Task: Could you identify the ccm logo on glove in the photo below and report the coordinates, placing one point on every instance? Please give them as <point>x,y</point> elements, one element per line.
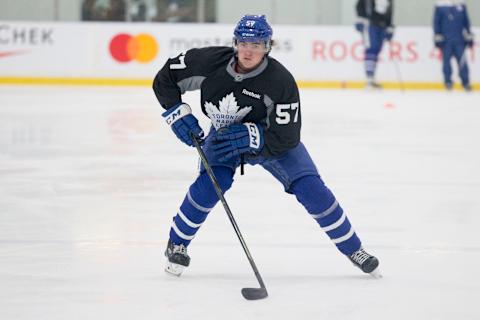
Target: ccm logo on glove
<point>236,139</point>
<point>183,123</point>
<point>176,113</point>
<point>254,135</point>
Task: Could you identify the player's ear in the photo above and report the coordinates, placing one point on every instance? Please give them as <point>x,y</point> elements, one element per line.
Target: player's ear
<point>268,46</point>
<point>234,44</point>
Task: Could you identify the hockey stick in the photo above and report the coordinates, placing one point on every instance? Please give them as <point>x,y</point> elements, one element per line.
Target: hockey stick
<point>248,293</point>
<point>397,70</point>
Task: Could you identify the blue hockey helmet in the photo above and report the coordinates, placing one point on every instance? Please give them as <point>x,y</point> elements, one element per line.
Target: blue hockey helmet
<point>253,28</point>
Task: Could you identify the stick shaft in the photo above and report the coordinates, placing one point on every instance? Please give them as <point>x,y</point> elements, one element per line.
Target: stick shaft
<point>219,192</point>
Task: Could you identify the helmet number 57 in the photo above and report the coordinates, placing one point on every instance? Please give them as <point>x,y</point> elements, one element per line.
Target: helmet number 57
<point>283,113</point>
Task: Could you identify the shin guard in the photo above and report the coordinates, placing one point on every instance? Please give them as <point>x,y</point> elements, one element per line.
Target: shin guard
<point>321,204</point>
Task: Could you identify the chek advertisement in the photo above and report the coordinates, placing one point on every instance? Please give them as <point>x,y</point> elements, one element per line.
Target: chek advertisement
<point>132,53</point>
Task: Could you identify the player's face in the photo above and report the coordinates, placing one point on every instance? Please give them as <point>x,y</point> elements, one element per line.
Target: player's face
<point>250,54</point>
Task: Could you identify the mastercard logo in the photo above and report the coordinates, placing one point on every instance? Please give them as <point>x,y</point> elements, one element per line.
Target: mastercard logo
<point>141,48</point>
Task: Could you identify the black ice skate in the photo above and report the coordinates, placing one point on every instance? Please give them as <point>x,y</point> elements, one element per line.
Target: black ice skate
<point>373,85</point>
<point>177,258</point>
<point>366,262</point>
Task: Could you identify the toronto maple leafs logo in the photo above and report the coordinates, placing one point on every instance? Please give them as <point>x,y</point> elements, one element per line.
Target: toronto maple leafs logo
<point>227,111</point>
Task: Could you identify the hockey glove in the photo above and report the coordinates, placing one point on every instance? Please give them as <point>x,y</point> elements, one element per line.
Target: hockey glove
<point>439,40</point>
<point>389,33</point>
<point>359,26</point>
<point>236,139</point>
<point>468,36</point>
<point>183,122</point>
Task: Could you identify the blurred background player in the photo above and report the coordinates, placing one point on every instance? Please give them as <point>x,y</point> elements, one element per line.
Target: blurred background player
<point>374,22</point>
<point>451,26</point>
<point>113,10</point>
<point>254,107</point>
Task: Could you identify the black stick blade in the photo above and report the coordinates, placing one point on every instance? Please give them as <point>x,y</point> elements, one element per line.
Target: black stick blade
<point>254,293</point>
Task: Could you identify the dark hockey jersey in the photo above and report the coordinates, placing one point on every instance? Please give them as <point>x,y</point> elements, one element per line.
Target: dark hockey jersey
<point>377,12</point>
<point>267,95</point>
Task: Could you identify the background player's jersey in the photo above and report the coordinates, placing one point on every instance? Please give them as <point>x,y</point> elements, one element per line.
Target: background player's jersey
<point>451,20</point>
<point>377,12</point>
<point>268,95</point>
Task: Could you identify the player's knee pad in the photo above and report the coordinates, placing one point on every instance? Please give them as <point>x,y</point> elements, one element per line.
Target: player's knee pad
<point>313,194</point>
<point>202,190</point>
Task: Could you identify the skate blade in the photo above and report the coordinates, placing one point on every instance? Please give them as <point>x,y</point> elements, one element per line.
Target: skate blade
<point>174,269</point>
<point>376,274</point>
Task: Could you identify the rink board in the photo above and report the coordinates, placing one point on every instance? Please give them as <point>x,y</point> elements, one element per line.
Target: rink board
<point>132,53</point>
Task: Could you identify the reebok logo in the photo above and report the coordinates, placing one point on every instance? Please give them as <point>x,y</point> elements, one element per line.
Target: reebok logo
<point>251,94</point>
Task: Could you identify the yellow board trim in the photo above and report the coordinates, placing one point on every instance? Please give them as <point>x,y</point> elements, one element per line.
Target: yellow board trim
<point>76,81</point>
<point>148,82</point>
<point>385,85</point>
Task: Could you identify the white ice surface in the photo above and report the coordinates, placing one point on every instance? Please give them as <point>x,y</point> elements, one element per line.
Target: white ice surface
<point>91,177</point>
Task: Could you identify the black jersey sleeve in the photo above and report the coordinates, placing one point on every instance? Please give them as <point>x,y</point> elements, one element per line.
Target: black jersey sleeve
<point>379,14</point>
<point>389,15</point>
<point>186,72</point>
<point>361,9</point>
<point>283,122</point>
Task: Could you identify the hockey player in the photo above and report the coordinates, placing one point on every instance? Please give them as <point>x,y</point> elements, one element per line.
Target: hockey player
<point>374,22</point>
<point>451,26</point>
<point>254,107</point>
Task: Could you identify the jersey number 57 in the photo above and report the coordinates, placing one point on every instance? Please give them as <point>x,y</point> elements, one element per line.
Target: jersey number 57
<point>181,64</point>
<point>283,112</point>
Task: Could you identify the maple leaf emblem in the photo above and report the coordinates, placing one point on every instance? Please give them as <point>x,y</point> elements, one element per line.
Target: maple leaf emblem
<point>227,111</point>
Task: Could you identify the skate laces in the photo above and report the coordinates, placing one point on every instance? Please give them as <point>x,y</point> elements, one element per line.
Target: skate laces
<point>180,249</point>
<point>360,256</point>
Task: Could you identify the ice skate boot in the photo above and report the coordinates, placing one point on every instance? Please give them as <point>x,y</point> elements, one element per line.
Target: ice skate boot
<point>366,262</point>
<point>177,258</point>
<point>373,85</point>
